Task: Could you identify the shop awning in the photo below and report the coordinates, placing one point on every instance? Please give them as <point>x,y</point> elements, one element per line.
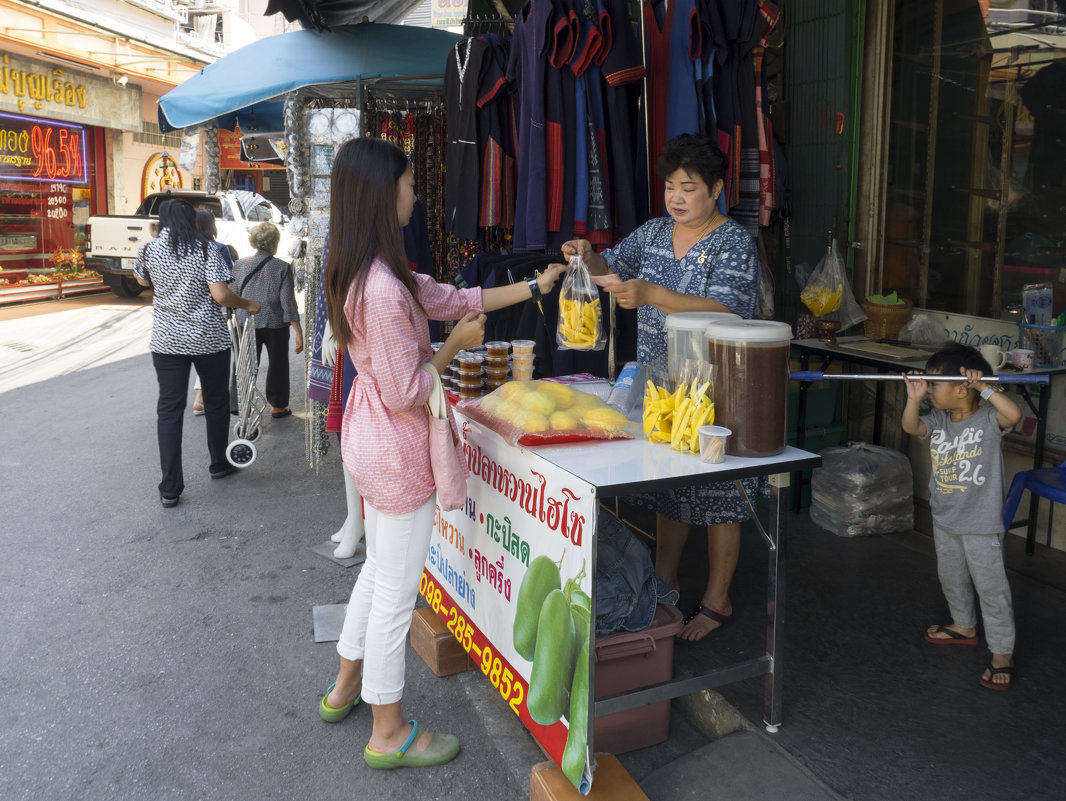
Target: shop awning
<point>247,87</point>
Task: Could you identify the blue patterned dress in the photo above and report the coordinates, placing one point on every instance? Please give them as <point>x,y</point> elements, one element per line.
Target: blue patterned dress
<point>723,266</point>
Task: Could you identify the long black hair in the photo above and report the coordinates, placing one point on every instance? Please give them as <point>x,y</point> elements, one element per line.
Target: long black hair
<point>363,224</point>
<point>179,218</point>
<point>205,224</point>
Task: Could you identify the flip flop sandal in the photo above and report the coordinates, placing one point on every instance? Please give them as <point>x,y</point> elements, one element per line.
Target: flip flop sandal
<point>953,637</point>
<point>281,414</point>
<point>199,411</point>
<point>993,671</point>
<point>336,714</point>
<point>706,611</point>
<point>442,748</point>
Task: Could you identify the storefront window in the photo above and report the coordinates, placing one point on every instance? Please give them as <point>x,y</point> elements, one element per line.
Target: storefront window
<point>976,180</point>
<point>46,180</point>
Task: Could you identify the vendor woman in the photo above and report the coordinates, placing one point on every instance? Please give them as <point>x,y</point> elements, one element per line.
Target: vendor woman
<point>696,259</point>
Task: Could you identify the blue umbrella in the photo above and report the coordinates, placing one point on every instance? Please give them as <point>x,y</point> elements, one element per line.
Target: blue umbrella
<point>247,86</point>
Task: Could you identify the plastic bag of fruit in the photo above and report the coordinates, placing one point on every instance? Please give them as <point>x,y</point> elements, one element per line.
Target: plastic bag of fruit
<point>580,314</point>
<point>546,412</point>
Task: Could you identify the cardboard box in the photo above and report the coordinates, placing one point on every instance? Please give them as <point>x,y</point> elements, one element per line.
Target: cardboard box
<point>630,660</point>
<point>610,782</point>
<point>435,644</point>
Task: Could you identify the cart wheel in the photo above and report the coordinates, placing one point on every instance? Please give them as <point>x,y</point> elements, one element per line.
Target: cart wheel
<point>240,453</point>
<point>253,437</point>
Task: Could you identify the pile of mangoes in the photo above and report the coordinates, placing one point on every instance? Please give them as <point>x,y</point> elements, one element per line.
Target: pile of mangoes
<point>541,406</point>
<point>552,625</point>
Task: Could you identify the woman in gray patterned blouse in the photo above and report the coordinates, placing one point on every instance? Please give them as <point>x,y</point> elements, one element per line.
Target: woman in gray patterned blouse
<point>189,283</point>
<point>269,280</point>
<point>696,259</point>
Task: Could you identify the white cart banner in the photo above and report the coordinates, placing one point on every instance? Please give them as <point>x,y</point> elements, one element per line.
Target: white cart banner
<point>511,576</point>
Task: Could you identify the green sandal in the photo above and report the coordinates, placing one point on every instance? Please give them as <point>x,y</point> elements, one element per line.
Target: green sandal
<point>336,714</point>
<point>442,748</point>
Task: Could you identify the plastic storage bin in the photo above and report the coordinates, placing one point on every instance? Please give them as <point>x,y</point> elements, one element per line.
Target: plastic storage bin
<point>630,660</point>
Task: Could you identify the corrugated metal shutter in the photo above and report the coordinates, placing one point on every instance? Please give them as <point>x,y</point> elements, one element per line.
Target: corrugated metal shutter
<point>422,16</point>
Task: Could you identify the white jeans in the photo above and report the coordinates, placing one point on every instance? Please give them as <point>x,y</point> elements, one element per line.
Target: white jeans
<point>379,612</point>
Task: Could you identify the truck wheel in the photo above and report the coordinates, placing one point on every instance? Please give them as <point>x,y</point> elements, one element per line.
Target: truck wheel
<point>123,285</point>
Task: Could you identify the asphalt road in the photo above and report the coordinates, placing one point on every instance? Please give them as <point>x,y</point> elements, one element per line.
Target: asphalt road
<point>152,653</point>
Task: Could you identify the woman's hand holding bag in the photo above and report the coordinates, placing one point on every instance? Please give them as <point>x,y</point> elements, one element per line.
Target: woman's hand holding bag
<point>449,474</point>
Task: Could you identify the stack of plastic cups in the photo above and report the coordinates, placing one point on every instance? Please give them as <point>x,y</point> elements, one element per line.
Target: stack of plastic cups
<point>496,365</point>
<point>471,381</point>
<point>522,359</point>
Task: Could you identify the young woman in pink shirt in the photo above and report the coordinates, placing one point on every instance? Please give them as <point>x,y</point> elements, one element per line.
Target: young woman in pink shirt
<point>378,308</point>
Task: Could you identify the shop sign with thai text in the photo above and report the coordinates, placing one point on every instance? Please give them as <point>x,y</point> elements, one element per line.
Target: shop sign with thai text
<point>449,13</point>
<point>510,574</point>
<point>37,88</point>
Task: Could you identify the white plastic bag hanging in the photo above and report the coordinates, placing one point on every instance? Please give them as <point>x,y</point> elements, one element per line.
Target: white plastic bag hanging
<point>828,294</point>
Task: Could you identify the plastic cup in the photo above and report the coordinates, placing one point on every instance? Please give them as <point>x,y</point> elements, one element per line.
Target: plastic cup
<point>497,350</point>
<point>522,347</point>
<point>712,443</point>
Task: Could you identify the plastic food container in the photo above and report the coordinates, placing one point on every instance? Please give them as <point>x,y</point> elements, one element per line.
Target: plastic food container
<point>497,350</point>
<point>751,390</point>
<point>712,443</point>
<point>685,337</point>
<point>522,347</point>
<point>470,363</point>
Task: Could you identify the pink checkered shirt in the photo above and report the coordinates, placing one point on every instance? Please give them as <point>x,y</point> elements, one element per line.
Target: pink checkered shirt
<point>385,432</point>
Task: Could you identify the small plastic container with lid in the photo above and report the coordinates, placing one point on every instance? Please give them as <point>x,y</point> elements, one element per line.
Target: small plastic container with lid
<point>470,363</point>
<point>751,390</point>
<point>497,351</point>
<point>522,347</point>
<point>685,337</point>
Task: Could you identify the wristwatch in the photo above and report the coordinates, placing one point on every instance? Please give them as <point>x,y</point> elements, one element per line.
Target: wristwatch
<point>534,288</point>
<point>988,392</point>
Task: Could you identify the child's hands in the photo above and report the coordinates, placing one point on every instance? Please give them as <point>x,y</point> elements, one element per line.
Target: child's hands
<point>916,386</point>
<point>973,379</point>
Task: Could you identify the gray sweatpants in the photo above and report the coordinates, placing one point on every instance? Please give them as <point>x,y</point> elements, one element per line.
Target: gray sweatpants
<point>968,562</point>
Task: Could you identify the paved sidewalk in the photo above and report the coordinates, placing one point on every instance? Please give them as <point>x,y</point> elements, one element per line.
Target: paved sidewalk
<point>168,654</point>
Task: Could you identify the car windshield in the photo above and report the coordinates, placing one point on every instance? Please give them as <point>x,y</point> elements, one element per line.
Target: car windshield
<point>151,204</point>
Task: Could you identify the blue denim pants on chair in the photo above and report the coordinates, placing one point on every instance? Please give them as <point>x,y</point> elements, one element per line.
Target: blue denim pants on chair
<point>172,372</point>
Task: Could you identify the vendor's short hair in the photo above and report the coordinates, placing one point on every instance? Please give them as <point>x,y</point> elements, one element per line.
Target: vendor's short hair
<point>265,236</point>
<point>696,155</point>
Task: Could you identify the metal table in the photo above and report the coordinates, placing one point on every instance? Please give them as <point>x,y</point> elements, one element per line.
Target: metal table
<point>806,348</point>
<point>622,467</point>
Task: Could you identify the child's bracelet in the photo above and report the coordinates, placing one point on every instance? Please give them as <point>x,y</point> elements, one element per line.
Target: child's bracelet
<point>987,393</point>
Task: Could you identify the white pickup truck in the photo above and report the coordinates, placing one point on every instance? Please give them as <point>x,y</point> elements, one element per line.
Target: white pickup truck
<point>115,239</point>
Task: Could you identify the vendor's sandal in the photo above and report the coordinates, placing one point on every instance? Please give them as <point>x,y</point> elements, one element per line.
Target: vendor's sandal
<point>719,618</point>
<point>1006,670</point>
<point>336,714</point>
<point>442,748</point>
<point>281,414</point>
<point>953,637</point>
<point>199,411</point>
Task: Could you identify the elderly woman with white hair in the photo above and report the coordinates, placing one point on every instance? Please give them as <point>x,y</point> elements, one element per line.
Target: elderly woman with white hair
<point>268,279</point>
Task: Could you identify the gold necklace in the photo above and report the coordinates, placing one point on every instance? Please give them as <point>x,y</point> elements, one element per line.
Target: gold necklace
<point>703,233</point>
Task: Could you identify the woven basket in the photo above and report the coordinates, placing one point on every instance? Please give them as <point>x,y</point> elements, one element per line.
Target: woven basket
<point>885,322</point>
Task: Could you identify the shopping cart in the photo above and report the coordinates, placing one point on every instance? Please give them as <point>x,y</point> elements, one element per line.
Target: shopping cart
<point>250,401</point>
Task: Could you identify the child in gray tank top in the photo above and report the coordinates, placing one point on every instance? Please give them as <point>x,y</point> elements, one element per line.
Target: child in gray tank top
<point>965,430</point>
